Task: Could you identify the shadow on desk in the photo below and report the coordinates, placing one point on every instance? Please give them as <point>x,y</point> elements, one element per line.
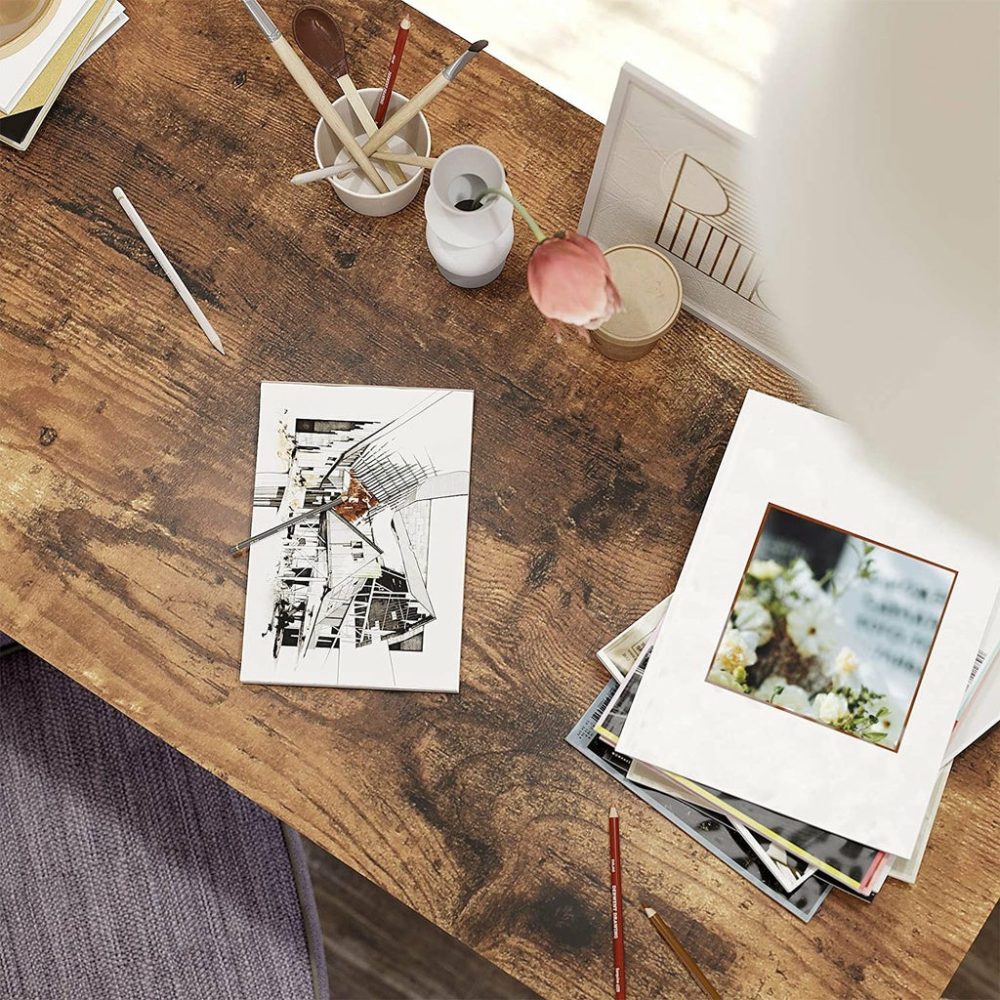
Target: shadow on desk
<point>383,950</point>
<point>379,949</point>
<point>978,977</point>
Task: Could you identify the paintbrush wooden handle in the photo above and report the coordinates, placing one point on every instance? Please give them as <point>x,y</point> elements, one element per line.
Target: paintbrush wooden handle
<point>301,75</point>
<point>406,113</point>
<point>412,158</point>
<point>364,116</point>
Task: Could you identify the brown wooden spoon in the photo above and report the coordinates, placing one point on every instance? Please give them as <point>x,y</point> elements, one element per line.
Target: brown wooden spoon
<point>321,40</point>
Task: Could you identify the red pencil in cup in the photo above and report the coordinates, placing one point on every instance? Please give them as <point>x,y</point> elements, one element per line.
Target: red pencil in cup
<point>617,921</point>
<point>390,75</point>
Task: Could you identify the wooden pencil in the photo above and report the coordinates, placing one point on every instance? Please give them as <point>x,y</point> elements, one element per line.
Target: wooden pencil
<point>682,953</point>
<point>617,916</point>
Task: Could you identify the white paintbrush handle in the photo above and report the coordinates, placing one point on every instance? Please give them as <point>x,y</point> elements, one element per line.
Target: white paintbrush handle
<point>340,169</point>
<point>406,113</point>
<point>301,75</point>
<point>364,116</point>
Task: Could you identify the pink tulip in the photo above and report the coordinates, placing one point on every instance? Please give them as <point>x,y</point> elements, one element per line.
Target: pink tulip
<point>568,275</point>
<point>570,281</point>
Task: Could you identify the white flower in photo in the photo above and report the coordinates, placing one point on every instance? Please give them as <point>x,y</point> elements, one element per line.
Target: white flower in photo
<point>830,707</point>
<point>812,626</point>
<point>736,652</point>
<point>844,671</point>
<point>765,569</point>
<point>879,719</point>
<point>769,685</point>
<point>889,725</point>
<point>797,585</point>
<point>749,615</point>
<point>883,727</point>
<point>725,679</point>
<point>777,691</point>
<point>794,698</point>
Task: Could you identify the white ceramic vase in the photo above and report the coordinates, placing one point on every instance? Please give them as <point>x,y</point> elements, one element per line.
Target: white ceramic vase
<point>470,247</point>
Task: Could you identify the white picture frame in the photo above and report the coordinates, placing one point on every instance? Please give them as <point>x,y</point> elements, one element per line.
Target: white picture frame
<point>664,169</point>
<point>787,456</point>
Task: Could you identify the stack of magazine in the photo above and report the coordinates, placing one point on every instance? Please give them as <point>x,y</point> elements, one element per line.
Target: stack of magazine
<point>42,42</point>
<point>831,646</point>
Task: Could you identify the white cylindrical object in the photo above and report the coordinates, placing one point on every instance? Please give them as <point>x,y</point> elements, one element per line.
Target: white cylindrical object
<point>354,189</point>
<point>470,247</point>
<point>651,293</point>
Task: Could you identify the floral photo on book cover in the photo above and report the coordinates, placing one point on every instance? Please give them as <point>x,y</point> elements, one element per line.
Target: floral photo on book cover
<point>832,627</point>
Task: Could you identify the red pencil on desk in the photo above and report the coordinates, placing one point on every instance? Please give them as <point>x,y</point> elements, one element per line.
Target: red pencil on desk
<point>390,76</point>
<point>617,921</point>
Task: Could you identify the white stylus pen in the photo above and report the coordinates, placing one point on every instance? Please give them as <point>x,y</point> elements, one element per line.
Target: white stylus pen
<point>168,268</point>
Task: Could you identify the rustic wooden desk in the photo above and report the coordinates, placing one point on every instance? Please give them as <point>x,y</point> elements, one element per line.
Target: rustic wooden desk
<point>126,469</point>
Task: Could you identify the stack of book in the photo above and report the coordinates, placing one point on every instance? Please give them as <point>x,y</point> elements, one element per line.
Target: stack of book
<point>41,43</point>
<point>831,646</point>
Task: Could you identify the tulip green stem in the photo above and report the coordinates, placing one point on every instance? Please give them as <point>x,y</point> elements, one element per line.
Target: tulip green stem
<point>536,230</point>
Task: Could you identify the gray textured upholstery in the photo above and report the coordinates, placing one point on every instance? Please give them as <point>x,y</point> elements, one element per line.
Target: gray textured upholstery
<point>126,871</point>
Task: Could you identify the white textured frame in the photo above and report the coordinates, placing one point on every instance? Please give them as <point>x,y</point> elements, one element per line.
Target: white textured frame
<point>737,141</point>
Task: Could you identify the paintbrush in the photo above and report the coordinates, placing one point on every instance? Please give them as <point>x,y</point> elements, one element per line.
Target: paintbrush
<point>274,529</point>
<point>321,40</point>
<point>417,103</point>
<point>301,75</point>
<point>340,169</point>
<point>364,116</point>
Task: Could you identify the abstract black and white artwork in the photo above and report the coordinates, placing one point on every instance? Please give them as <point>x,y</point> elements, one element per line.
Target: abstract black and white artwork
<point>368,593</point>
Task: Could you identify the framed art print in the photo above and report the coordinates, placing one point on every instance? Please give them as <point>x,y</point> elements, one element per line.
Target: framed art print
<point>670,175</point>
<point>820,638</point>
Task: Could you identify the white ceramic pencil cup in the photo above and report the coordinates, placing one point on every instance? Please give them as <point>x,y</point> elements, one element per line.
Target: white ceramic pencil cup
<point>354,189</point>
<point>469,246</point>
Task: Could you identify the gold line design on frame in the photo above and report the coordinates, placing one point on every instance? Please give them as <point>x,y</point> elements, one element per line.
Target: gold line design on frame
<point>707,225</point>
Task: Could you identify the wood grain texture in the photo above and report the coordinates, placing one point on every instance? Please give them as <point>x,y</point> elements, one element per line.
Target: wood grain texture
<point>126,469</point>
<point>379,949</point>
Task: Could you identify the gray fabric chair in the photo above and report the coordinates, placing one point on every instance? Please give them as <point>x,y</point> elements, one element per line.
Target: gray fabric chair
<point>128,872</point>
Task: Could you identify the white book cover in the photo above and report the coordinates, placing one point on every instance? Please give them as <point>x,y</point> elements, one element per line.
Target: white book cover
<point>112,21</point>
<point>22,59</point>
<point>92,36</point>
<point>821,635</point>
<point>369,592</point>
